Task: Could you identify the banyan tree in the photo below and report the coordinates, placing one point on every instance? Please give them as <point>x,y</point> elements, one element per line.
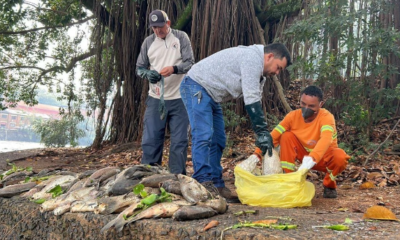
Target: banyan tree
<point>350,49</point>
<point>211,26</point>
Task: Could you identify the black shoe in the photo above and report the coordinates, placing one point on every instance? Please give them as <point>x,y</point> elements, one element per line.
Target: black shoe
<point>330,192</point>
<point>212,190</point>
<point>228,195</point>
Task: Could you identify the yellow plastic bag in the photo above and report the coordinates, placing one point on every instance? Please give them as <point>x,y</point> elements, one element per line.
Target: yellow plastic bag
<point>284,190</point>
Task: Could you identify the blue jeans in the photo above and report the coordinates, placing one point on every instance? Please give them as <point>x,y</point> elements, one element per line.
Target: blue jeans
<point>154,133</point>
<point>208,132</point>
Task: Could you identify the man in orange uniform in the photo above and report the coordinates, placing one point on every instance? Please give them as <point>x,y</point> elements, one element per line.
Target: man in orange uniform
<point>309,135</point>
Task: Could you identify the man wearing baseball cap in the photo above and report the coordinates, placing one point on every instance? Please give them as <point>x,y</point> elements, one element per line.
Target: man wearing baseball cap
<point>167,53</point>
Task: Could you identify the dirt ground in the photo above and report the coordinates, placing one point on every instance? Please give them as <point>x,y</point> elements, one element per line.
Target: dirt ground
<point>352,201</point>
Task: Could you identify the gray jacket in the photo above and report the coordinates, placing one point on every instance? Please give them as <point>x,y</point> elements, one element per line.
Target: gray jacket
<point>231,73</point>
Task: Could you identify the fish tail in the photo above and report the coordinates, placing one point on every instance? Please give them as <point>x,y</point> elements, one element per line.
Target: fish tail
<point>109,225</point>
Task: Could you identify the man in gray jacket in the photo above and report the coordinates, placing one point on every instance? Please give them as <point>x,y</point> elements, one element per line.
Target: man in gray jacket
<point>164,58</point>
<point>230,73</point>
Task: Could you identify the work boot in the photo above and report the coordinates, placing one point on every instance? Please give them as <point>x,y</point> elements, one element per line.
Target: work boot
<point>228,195</point>
<point>330,192</point>
<point>209,185</point>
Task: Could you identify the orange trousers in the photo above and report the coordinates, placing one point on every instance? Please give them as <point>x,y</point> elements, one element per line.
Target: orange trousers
<point>332,163</point>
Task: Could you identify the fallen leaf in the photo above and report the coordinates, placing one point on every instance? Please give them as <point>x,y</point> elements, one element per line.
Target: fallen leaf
<point>380,213</point>
<point>367,185</point>
<point>267,221</point>
<point>211,224</point>
<point>374,175</point>
<point>383,183</point>
<point>343,209</point>
<point>346,186</point>
<point>373,228</point>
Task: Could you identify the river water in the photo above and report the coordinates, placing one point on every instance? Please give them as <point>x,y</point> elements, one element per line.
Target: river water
<point>9,146</point>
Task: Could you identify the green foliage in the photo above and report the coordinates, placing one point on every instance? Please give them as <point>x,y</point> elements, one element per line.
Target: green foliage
<point>14,169</point>
<point>59,133</point>
<point>357,96</point>
<point>56,191</point>
<point>149,200</point>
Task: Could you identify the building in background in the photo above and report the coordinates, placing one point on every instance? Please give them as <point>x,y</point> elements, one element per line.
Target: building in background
<point>16,123</point>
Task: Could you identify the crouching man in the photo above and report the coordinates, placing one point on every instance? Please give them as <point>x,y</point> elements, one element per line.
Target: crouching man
<point>309,135</point>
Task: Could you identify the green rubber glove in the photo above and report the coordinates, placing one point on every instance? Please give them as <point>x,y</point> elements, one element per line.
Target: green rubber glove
<point>264,139</point>
<point>151,75</point>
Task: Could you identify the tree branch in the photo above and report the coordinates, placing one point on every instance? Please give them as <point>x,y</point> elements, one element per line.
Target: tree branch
<point>274,13</point>
<point>61,68</point>
<point>18,67</point>
<point>47,27</point>
<point>186,16</point>
<point>380,145</point>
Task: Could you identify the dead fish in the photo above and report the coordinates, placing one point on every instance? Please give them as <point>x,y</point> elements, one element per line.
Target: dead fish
<point>63,181</point>
<point>76,175</point>
<point>156,179</point>
<point>30,193</point>
<point>15,177</point>
<point>161,210</point>
<point>218,204</point>
<point>152,190</point>
<point>62,209</point>
<point>16,189</point>
<point>100,175</point>
<point>172,186</point>
<point>119,222</point>
<point>192,190</point>
<point>84,206</point>
<point>113,204</point>
<point>86,174</point>
<point>105,189</point>
<point>53,203</point>
<point>77,195</point>
<point>182,202</point>
<point>123,185</point>
<point>77,185</point>
<point>271,165</point>
<point>193,212</point>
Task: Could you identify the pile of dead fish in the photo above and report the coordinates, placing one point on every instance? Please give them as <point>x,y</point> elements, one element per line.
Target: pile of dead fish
<point>109,190</point>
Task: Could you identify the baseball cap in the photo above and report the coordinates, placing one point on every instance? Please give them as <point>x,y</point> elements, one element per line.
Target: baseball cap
<point>158,18</point>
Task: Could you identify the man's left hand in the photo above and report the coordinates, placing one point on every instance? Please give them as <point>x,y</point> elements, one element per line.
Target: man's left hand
<point>307,163</point>
<point>167,71</point>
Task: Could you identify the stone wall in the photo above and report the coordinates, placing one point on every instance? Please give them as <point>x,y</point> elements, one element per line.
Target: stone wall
<point>21,219</point>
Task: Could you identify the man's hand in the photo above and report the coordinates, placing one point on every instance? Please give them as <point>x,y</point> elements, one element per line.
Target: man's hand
<point>264,142</point>
<point>307,163</point>
<point>167,71</point>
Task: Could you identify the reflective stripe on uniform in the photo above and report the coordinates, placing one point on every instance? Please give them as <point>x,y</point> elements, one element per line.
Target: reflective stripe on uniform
<point>280,129</point>
<point>334,135</point>
<point>288,165</point>
<point>331,176</point>
<point>326,128</point>
<point>308,149</point>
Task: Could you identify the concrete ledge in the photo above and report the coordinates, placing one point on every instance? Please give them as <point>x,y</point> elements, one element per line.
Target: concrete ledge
<point>21,219</point>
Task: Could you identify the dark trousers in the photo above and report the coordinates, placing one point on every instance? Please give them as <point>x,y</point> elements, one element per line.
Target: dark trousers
<point>154,133</point>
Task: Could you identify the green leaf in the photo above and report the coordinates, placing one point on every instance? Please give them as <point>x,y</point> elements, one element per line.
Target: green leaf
<point>29,169</point>
<point>150,199</point>
<point>27,179</point>
<point>338,227</point>
<point>39,201</point>
<point>348,221</point>
<point>56,191</point>
<point>138,188</point>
